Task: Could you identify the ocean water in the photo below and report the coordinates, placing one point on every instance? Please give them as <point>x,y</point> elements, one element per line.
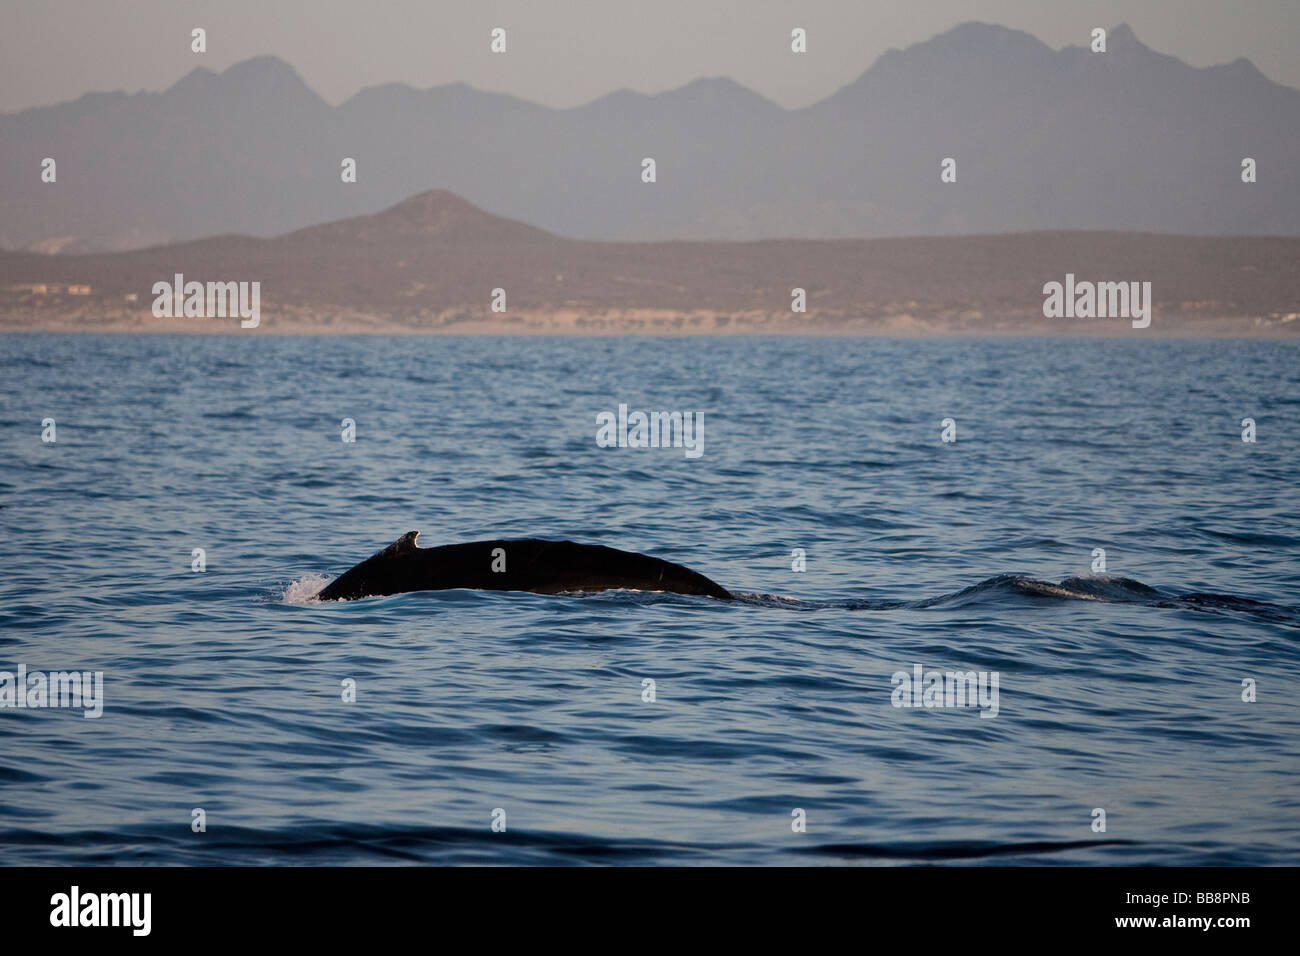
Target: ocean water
<point>222,690</point>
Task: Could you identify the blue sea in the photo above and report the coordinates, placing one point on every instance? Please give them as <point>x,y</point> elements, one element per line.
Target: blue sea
<point>1162,692</point>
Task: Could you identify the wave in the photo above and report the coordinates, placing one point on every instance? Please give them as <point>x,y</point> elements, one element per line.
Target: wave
<point>1000,591</point>
<point>352,843</point>
<point>956,850</point>
<point>1012,590</point>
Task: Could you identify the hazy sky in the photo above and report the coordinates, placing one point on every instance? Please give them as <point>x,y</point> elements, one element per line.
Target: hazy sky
<point>566,52</point>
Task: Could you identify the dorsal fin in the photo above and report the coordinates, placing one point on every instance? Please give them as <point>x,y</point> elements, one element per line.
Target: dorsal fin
<point>403,544</point>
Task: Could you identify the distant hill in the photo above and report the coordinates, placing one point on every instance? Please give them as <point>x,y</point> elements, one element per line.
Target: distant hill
<point>1129,139</point>
<point>431,263</point>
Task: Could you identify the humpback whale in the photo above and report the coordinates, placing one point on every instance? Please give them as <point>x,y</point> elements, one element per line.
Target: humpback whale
<point>522,564</point>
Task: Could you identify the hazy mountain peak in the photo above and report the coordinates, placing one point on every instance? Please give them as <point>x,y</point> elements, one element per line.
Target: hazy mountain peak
<point>258,76</point>
<point>1244,70</point>
<point>197,78</point>
<point>974,35</point>
<point>622,98</point>
<point>436,214</point>
<point>717,90</point>
<point>440,206</point>
<point>1121,37</point>
<point>262,69</point>
<point>970,42</point>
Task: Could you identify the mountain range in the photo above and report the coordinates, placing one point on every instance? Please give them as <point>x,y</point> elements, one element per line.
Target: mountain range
<point>434,263</point>
<point>1044,139</point>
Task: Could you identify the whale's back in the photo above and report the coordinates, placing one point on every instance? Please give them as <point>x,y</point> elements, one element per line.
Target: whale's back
<point>521,564</point>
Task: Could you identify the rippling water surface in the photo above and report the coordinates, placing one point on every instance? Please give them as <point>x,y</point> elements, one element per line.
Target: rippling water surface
<point>223,688</point>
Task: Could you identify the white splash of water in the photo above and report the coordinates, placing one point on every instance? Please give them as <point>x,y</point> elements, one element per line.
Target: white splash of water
<point>305,589</point>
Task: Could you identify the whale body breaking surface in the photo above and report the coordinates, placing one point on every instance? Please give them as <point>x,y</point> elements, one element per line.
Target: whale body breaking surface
<point>521,564</point>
